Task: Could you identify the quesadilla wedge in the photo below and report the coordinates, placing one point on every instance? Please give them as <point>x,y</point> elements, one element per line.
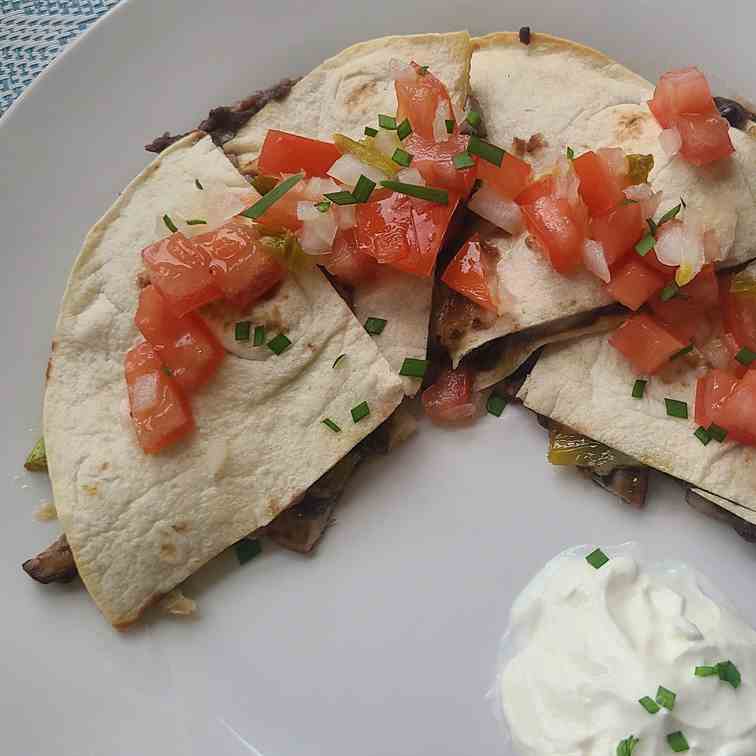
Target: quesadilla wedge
<point>139,523</point>
<point>553,98</point>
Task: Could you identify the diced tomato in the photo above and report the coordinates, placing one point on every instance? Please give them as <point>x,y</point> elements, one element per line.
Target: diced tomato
<point>599,188</point>
<point>645,344</point>
<point>732,346</point>
<point>735,411</point>
<point>282,215</point>
<point>618,231</point>
<point>509,179</point>
<point>450,399</point>
<point>241,266</point>
<point>705,138</point>
<point>472,273</point>
<point>430,222</point>
<point>682,91</point>
<point>543,187</point>
<point>739,314</point>
<point>552,222</point>
<point>289,153</point>
<point>159,410</point>
<point>634,283</point>
<point>419,96</point>
<point>347,262</point>
<point>711,389</point>
<point>434,160</point>
<point>385,230</point>
<point>185,345</point>
<point>180,271</point>
<point>667,271</point>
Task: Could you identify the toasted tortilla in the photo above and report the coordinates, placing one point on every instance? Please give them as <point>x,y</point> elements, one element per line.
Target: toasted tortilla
<point>137,524</point>
<point>344,94</point>
<point>575,96</point>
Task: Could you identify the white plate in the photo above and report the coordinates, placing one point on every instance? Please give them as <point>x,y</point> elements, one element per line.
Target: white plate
<point>385,641</point>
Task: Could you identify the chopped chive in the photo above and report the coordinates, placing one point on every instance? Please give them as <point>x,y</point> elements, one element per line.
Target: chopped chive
<point>495,405</point>
<point>279,344</point>
<point>729,673</point>
<point>665,698</point>
<point>745,356</point>
<point>198,184</point>
<point>375,326</point>
<point>683,203</point>
<point>370,131</point>
<point>627,746</point>
<point>473,118</point>
<point>323,207</point>
<point>330,424</point>
<point>676,408</point>
<point>717,433</point>
<point>682,352</point>
<point>463,160</point>
<point>401,157</point>
<point>363,189</point>
<point>649,704</point>
<point>422,70</point>
<point>413,367</point>
<point>597,559</point>
<point>387,122</point>
<point>341,198</point>
<point>449,125</point>
<point>570,153</point>
<point>167,370</point>
<point>36,460</point>
<point>702,435</point>
<point>168,222</point>
<point>247,549</point>
<point>645,245</point>
<point>669,215</point>
<point>670,291</point>
<point>196,222</point>
<point>259,338</point>
<point>360,412</point>
<point>241,330</point>
<point>677,742</point>
<point>440,196</point>
<point>338,360</point>
<point>651,225</point>
<point>489,152</point>
<point>639,388</point>
<point>404,129</point>
<point>272,197</point>
<point>706,671</point>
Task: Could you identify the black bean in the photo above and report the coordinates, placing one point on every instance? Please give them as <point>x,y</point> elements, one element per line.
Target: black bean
<point>525,35</point>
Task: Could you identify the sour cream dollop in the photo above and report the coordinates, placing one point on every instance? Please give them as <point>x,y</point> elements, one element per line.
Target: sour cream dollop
<point>585,644</point>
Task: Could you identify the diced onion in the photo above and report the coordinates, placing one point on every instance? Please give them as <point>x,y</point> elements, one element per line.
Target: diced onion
<point>307,211</point>
<point>681,245</point>
<point>567,181</point>
<point>345,216</point>
<point>670,141</point>
<point>646,197</point>
<point>317,234</point>
<point>715,352</point>
<point>386,141</point>
<point>411,176</point>
<point>594,259</point>
<point>317,187</point>
<point>443,114</point>
<point>712,247</point>
<point>615,160</point>
<point>144,394</point>
<point>347,169</point>
<point>504,213</point>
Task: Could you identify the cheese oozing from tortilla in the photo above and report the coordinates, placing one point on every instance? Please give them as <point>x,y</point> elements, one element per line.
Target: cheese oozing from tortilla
<point>585,645</point>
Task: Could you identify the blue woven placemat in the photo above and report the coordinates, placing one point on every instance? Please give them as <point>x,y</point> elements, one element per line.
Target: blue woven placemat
<point>34,32</point>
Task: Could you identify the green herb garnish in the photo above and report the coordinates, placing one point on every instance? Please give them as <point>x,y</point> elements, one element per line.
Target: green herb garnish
<point>401,157</point>
<point>489,152</point>
<point>440,196</point>
<point>259,337</point>
<point>473,118</point>
<point>370,131</point>
<point>279,344</point>
<point>247,549</point>
<point>669,215</point>
<point>375,326</point>
<point>363,189</point>
<point>323,207</point>
<point>670,291</point>
<point>387,122</point>
<point>717,433</point>
<point>449,125</point>
<point>649,704</point>
<point>705,671</point>
<point>597,559</point>
<point>702,435</point>
<point>330,424</point>
<point>36,460</point>
<point>570,153</point>
<point>729,673</point>
<point>677,742</point>
<point>645,245</point>
<point>463,160</point>
<point>682,352</point>
<point>745,356</point>
<point>495,405</point>
<point>341,198</point>
<point>422,70</point>
<point>404,129</point>
<point>338,360</point>
<point>196,222</point>
<point>639,388</point>
<point>651,225</point>
<point>360,412</point>
<point>198,184</point>
<point>413,367</point>
<point>168,222</point>
<point>665,698</point>
<point>275,194</point>
<point>676,408</point>
<point>627,746</point>
<point>241,330</point>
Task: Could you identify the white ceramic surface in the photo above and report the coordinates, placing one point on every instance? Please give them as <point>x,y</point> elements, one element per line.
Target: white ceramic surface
<point>384,642</point>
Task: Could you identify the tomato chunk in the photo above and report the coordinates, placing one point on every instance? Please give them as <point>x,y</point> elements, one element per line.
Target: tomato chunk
<point>422,99</point>
<point>543,187</point>
<point>241,266</point>
<point>711,390</point>
<point>385,230</point>
<point>736,410</point>
<point>618,231</point>
<point>739,313</point>
<point>451,399</point>
<point>705,138</point>
<point>472,273</point>
<point>185,345</point>
<point>159,410</point>
<point>552,222</point>
<point>684,90</point>
<point>180,270</point>
<point>598,186</point>
<point>347,262</point>
<point>434,160</point>
<point>667,271</point>
<point>509,179</point>
<point>290,153</point>
<point>645,344</point>
<point>633,283</point>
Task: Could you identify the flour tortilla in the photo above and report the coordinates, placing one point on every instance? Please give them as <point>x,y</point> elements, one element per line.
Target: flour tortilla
<point>586,385</point>
<point>138,525</point>
<point>576,96</point>
<point>345,94</point>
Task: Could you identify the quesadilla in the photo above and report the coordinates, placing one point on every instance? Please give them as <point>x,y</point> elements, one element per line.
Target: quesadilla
<point>553,96</point>
<point>139,523</point>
